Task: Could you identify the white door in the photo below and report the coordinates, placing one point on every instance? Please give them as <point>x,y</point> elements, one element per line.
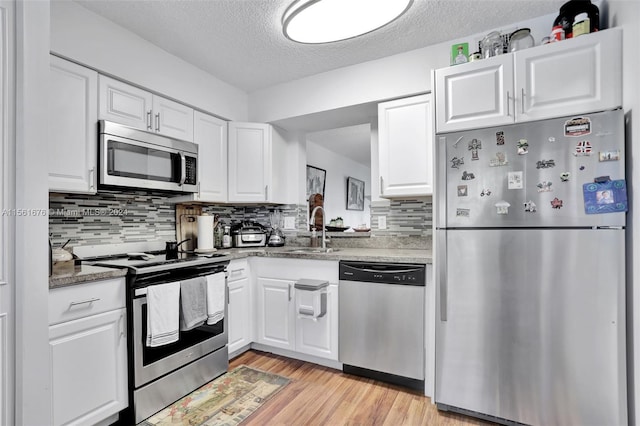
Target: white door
<point>210,133</point>
<point>275,322</point>
<point>406,147</point>
<point>172,119</point>
<point>320,337</point>
<point>576,76</point>
<point>239,314</point>
<point>125,104</point>
<point>475,94</point>
<point>73,120</point>
<point>89,368</point>
<point>249,162</point>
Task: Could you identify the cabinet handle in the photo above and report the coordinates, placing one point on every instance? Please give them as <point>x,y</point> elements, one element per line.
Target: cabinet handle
<point>157,122</point>
<point>149,120</point>
<point>227,293</point>
<point>508,103</point>
<point>381,186</point>
<point>83,302</point>
<point>522,101</point>
<point>289,292</point>
<point>92,177</point>
<point>266,193</point>
<point>120,325</point>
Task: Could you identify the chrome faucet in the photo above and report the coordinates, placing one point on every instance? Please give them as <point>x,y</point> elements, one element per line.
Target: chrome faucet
<point>324,221</point>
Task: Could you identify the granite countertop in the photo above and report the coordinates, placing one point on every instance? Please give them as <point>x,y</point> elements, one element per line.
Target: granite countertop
<point>85,273</point>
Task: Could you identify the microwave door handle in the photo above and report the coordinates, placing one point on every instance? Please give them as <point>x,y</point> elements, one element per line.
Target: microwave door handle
<point>183,169</point>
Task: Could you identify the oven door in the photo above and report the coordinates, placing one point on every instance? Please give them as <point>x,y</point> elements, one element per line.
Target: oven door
<point>151,363</point>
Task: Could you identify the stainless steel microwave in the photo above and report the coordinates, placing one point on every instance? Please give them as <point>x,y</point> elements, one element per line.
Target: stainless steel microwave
<point>134,158</point>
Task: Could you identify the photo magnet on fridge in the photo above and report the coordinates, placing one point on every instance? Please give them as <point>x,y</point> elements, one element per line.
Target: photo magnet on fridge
<point>605,197</point>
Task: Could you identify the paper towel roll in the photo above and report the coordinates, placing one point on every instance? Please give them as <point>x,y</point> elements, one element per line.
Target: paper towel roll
<point>205,232</point>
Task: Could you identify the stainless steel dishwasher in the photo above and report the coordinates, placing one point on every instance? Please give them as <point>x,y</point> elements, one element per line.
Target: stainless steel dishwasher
<point>382,321</point>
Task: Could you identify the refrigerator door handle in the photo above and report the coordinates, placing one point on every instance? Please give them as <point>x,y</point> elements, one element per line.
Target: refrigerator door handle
<point>441,269</point>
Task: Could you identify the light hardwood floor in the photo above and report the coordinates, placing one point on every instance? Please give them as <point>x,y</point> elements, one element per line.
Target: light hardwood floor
<point>323,396</point>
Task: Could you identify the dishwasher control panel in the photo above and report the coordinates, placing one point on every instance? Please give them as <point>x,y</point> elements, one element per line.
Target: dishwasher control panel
<point>386,273</point>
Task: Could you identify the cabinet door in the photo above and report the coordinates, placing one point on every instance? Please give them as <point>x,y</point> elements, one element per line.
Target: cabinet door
<point>172,119</point>
<point>249,162</point>
<point>125,104</point>
<point>475,94</point>
<point>239,314</point>
<point>73,120</point>
<point>576,76</point>
<point>276,322</point>
<point>406,147</point>
<point>320,337</point>
<point>210,133</point>
<point>89,368</point>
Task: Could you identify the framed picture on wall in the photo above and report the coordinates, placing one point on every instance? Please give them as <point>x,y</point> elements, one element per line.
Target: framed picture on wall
<point>316,178</point>
<point>355,194</point>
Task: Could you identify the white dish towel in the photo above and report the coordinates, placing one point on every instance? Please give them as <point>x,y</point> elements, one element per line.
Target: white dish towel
<point>163,313</point>
<point>215,297</point>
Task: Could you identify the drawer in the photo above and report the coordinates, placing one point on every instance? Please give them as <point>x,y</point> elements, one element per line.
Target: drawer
<point>237,270</point>
<point>69,303</point>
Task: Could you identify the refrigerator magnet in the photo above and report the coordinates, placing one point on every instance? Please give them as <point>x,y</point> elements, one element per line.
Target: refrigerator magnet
<point>462,190</point>
<point>583,149</point>
<point>551,139</point>
<point>578,126</point>
<point>564,176</point>
<point>463,212</point>
<point>609,156</point>
<point>544,186</point>
<point>474,146</point>
<point>545,164</point>
<point>456,162</point>
<point>556,203</point>
<point>502,207</point>
<point>468,176</point>
<point>486,192</point>
<point>500,138</point>
<point>455,144</point>
<point>499,160</point>
<point>514,180</point>
<point>523,147</point>
<point>605,197</point>
<point>530,206</point>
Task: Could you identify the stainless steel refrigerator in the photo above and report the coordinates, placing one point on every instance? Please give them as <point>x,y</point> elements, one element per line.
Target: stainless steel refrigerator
<point>530,272</point>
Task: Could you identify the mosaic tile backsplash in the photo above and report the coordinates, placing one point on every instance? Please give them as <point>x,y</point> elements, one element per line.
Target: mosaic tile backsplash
<point>108,218</point>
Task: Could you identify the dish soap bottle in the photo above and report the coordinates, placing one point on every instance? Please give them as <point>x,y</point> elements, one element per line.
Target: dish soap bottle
<point>314,238</point>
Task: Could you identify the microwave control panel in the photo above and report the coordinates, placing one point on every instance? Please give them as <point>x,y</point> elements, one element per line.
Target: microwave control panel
<point>191,171</point>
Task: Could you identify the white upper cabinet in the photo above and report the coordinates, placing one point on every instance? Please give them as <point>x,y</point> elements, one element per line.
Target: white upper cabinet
<point>125,104</point>
<point>73,132</point>
<point>257,163</point>
<point>406,147</point>
<point>575,76</point>
<point>210,133</point>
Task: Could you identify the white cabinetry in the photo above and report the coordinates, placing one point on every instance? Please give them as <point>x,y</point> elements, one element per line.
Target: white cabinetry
<point>73,134</point>
<point>278,324</point>
<point>88,351</point>
<point>574,76</point>
<point>257,159</point>
<point>406,147</point>
<point>125,104</point>
<point>240,306</point>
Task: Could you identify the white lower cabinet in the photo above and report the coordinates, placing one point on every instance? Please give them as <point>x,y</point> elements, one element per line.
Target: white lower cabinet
<point>278,323</point>
<point>240,307</point>
<point>88,352</point>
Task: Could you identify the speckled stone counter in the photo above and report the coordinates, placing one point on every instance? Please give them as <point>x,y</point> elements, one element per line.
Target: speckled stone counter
<point>87,273</point>
<point>84,273</point>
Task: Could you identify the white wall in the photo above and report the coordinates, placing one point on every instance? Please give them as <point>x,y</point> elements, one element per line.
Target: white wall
<point>335,194</point>
<point>626,14</point>
<point>87,38</point>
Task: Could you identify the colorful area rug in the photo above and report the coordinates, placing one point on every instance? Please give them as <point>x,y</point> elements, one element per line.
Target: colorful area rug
<point>227,400</point>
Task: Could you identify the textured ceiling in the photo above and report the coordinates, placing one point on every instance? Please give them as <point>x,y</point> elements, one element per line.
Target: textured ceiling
<point>241,41</point>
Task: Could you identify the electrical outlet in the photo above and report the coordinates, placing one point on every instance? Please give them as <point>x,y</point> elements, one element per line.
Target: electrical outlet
<point>290,222</point>
<point>382,222</point>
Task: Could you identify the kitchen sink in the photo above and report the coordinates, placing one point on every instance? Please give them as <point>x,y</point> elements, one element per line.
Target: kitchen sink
<point>312,250</point>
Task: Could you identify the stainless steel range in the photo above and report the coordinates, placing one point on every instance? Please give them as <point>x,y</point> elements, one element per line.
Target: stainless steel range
<point>158,376</point>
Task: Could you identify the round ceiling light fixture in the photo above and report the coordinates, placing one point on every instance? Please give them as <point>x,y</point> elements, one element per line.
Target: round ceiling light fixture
<point>326,21</point>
